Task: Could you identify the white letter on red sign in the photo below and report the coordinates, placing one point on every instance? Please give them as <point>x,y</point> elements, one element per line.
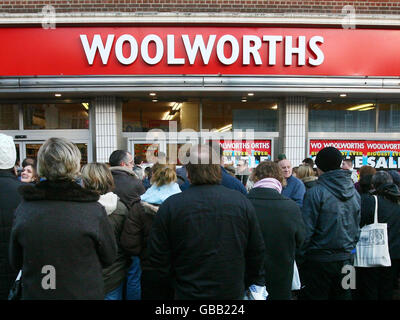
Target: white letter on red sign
<point>289,51</point>
<point>251,50</point>
<point>318,52</point>
<point>144,49</point>
<point>118,49</point>
<point>171,51</point>
<point>191,51</point>
<point>221,46</point>
<point>272,48</point>
<point>97,44</point>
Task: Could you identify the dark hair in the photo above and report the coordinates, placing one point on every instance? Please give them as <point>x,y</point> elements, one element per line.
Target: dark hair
<point>380,178</point>
<point>29,162</point>
<point>200,169</point>
<point>309,162</point>
<point>384,186</point>
<point>138,159</point>
<point>268,169</point>
<point>117,157</point>
<point>367,171</point>
<point>366,183</point>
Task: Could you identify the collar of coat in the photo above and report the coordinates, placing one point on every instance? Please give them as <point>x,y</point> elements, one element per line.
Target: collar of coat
<point>124,169</point>
<point>57,190</point>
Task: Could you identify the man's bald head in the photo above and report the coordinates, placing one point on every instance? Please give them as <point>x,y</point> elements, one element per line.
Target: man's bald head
<point>286,168</point>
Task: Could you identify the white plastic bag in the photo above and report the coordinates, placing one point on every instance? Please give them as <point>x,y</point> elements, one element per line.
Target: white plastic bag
<point>296,284</point>
<point>256,293</point>
<point>372,249</point>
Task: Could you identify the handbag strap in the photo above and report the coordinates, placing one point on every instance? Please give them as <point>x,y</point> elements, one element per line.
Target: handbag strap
<point>376,210</point>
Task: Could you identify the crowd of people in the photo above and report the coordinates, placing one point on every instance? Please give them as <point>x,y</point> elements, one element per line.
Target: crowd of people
<point>119,231</point>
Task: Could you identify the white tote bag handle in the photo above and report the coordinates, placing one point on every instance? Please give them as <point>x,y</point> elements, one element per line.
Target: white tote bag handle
<point>376,210</point>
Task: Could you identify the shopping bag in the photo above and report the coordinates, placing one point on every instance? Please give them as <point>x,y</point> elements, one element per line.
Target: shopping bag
<point>16,290</point>
<point>296,284</point>
<point>372,249</point>
<point>256,293</point>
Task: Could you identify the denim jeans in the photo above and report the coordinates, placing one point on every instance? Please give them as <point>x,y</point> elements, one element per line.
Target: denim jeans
<point>133,289</point>
<point>116,294</point>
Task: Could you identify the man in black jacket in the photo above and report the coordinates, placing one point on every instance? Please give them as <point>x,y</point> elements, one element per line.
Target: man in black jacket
<point>129,188</point>
<point>9,201</point>
<point>331,213</point>
<point>207,239</point>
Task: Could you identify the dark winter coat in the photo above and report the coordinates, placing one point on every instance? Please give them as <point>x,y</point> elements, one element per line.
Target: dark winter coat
<point>128,187</point>
<point>62,225</point>
<point>331,213</point>
<point>208,240</point>
<point>283,231</point>
<point>9,201</point>
<point>136,231</point>
<point>115,274</point>
<point>294,190</point>
<point>388,212</point>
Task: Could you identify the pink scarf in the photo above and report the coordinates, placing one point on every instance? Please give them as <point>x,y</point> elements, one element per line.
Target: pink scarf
<point>269,183</point>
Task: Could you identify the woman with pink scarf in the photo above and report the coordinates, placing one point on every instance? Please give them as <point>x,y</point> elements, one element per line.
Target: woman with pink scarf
<point>282,227</point>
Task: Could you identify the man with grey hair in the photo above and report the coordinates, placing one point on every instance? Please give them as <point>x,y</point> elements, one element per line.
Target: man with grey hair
<point>9,201</point>
<point>129,188</point>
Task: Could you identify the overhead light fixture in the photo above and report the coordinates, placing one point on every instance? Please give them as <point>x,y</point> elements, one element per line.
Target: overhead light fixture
<point>85,105</point>
<point>343,95</point>
<point>58,95</point>
<point>329,100</point>
<point>274,107</point>
<point>361,106</point>
<point>226,128</point>
<point>250,94</point>
<point>366,109</point>
<point>154,100</point>
<point>244,100</point>
<point>177,106</point>
<point>166,115</point>
<point>152,94</point>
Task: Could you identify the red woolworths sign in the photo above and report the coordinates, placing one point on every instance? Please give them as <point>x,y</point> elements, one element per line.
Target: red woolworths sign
<point>199,50</point>
<point>378,154</point>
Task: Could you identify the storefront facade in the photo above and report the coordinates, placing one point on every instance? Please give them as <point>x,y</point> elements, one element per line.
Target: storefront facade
<point>294,87</point>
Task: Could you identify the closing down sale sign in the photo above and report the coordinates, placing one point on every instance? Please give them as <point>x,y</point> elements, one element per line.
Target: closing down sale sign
<point>376,153</point>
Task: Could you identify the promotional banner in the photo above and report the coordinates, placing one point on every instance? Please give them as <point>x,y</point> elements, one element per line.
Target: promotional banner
<point>376,153</point>
<point>253,152</point>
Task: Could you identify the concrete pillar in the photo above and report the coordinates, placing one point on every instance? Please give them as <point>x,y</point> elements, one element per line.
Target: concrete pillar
<point>294,129</point>
<point>105,127</point>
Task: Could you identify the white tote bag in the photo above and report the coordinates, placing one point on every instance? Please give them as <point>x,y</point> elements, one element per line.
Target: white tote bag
<point>372,249</point>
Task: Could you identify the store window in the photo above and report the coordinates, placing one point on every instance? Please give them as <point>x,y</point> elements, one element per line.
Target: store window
<point>56,116</point>
<point>389,117</point>
<point>142,116</point>
<point>225,116</point>
<point>342,117</point>
<point>9,115</point>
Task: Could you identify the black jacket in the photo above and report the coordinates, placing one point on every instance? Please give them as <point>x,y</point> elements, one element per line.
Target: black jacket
<point>128,187</point>
<point>208,240</point>
<point>283,231</point>
<point>388,212</point>
<point>331,214</point>
<point>61,225</point>
<point>9,201</point>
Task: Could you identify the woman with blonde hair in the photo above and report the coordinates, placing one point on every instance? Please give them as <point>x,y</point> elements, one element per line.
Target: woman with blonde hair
<point>306,174</point>
<point>61,229</point>
<point>138,224</point>
<point>97,177</point>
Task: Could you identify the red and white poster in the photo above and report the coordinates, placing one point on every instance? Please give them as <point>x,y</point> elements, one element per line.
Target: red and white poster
<point>253,151</point>
<point>380,154</point>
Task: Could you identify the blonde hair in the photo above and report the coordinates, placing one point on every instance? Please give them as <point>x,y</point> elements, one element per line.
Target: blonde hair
<point>305,171</point>
<point>58,159</point>
<point>97,177</point>
<point>163,174</point>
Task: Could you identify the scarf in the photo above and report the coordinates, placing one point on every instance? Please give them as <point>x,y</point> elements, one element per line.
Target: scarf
<point>271,183</point>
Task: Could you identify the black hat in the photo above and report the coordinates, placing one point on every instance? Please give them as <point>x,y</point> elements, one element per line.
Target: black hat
<point>328,159</point>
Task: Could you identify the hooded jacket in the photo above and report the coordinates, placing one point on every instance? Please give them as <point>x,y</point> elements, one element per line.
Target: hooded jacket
<point>128,187</point>
<point>331,214</point>
<point>60,224</point>
<point>115,274</point>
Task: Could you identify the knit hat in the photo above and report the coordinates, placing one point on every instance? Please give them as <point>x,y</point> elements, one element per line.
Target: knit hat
<point>8,154</point>
<point>328,159</point>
